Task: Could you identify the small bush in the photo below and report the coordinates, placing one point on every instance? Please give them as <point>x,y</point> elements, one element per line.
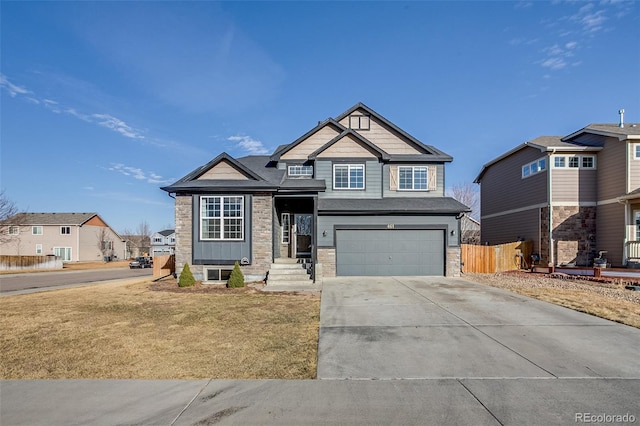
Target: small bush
<point>186,277</point>
<point>237,278</point>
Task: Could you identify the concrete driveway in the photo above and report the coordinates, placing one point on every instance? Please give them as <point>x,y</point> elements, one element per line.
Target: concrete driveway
<point>412,328</point>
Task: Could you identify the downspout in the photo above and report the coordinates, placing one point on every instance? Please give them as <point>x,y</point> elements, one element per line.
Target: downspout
<point>550,204</point>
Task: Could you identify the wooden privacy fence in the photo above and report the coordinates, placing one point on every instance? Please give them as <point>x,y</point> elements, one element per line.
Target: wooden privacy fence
<point>164,265</point>
<point>11,263</point>
<point>492,259</point>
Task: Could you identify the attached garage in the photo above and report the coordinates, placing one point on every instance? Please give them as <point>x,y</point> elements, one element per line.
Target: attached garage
<point>389,252</point>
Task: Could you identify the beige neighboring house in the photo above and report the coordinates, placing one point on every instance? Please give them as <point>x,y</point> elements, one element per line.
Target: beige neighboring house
<point>75,237</point>
<point>574,196</point>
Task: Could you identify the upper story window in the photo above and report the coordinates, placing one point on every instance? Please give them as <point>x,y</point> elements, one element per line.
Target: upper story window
<point>574,161</point>
<point>534,167</point>
<point>222,218</point>
<point>13,230</point>
<point>300,170</point>
<point>157,239</point>
<point>36,230</point>
<point>348,176</point>
<point>412,178</point>
<point>359,122</point>
<point>636,151</point>
<point>65,230</point>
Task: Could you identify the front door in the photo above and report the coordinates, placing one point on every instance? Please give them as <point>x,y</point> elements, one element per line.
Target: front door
<point>303,234</point>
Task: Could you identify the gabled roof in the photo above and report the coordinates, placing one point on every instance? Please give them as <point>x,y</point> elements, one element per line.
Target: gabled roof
<point>195,174</point>
<point>544,144</point>
<point>428,148</point>
<point>166,232</point>
<point>75,219</point>
<point>282,149</point>
<point>358,136</point>
<point>629,131</point>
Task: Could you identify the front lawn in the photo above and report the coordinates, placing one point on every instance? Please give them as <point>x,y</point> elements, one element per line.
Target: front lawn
<point>118,331</point>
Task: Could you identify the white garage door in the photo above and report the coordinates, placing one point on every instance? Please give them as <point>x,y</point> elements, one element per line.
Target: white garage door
<point>389,252</point>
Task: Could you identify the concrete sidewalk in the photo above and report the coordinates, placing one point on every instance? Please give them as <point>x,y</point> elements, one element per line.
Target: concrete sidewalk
<point>392,351</point>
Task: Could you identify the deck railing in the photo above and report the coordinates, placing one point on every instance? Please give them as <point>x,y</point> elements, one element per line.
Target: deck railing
<point>633,250</point>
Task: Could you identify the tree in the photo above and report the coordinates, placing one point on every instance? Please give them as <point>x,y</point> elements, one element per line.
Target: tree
<point>105,243</point>
<point>237,278</point>
<point>143,232</point>
<point>468,194</point>
<point>186,277</point>
<point>9,218</point>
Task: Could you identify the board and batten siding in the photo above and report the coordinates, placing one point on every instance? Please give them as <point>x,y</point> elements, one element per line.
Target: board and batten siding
<point>311,144</point>
<point>511,227</point>
<point>437,192</point>
<point>610,231</point>
<point>612,170</point>
<point>327,223</point>
<point>574,185</point>
<point>372,176</point>
<point>383,136</point>
<point>503,188</point>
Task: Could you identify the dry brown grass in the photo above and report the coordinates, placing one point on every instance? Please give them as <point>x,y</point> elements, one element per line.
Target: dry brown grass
<point>609,300</point>
<point>131,331</point>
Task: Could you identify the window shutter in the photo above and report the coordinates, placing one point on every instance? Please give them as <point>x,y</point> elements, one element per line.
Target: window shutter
<point>393,178</point>
<point>432,180</point>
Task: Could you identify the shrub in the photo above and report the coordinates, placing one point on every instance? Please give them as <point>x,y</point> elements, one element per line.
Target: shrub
<point>186,277</point>
<point>237,278</point>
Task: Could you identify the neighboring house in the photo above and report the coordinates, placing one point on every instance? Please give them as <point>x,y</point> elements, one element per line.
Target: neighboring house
<point>72,236</point>
<point>574,196</point>
<point>355,195</point>
<point>163,243</point>
<point>136,245</point>
<point>469,230</point>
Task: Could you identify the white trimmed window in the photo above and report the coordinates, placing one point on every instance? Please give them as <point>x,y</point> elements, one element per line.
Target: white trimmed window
<point>38,248</point>
<point>534,167</point>
<point>65,230</point>
<point>412,178</point>
<point>222,218</point>
<point>348,176</point>
<point>217,273</point>
<point>300,170</point>
<point>574,161</point>
<point>286,228</point>
<point>13,230</point>
<point>36,230</point>
<point>636,151</point>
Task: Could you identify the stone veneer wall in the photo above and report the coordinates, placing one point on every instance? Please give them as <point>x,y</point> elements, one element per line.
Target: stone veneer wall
<point>574,230</point>
<point>184,236</point>
<point>262,237</point>
<point>453,261</point>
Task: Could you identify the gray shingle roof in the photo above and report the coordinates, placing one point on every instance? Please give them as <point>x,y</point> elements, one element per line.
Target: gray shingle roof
<point>629,131</point>
<point>52,218</point>
<point>426,205</point>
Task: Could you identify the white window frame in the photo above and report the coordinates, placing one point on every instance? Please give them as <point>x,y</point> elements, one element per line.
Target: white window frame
<point>285,234</point>
<point>221,268</point>
<point>38,248</point>
<point>563,164</point>
<point>223,236</point>
<point>574,162</point>
<point>65,230</point>
<point>36,230</point>
<point>413,178</point>
<point>350,186</point>
<point>534,167</point>
<point>585,157</point>
<point>300,170</point>
<point>636,151</point>
<point>13,230</point>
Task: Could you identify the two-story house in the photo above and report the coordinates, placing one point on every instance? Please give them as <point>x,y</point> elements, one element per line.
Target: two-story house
<point>163,243</point>
<point>355,195</point>
<point>71,236</point>
<point>574,196</point>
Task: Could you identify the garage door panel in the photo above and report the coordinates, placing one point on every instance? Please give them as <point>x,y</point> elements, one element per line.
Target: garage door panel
<point>390,252</point>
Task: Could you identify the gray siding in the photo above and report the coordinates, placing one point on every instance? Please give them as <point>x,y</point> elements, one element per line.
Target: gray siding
<point>509,228</point>
<point>221,252</point>
<point>574,185</point>
<point>610,231</point>
<point>372,175</point>
<point>612,170</point>
<point>328,223</point>
<point>503,188</point>
<point>438,192</point>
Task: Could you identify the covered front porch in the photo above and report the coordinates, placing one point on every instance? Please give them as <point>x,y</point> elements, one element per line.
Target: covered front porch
<point>632,229</point>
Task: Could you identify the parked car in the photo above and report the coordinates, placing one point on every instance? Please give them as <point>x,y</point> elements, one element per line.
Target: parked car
<point>141,262</point>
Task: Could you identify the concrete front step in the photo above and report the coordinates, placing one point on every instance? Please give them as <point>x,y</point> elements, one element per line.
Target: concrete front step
<point>288,260</point>
<point>296,277</point>
<point>293,271</point>
<point>294,266</point>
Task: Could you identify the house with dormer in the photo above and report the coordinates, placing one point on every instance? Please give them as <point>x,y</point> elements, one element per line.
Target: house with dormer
<point>354,196</point>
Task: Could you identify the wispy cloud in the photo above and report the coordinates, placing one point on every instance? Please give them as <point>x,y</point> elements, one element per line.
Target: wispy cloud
<point>139,174</point>
<point>250,145</point>
<point>101,119</point>
<point>558,56</point>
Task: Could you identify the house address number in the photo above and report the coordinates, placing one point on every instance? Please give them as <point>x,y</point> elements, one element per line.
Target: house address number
<point>391,226</point>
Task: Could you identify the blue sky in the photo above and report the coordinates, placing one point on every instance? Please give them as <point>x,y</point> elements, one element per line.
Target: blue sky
<point>104,102</point>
